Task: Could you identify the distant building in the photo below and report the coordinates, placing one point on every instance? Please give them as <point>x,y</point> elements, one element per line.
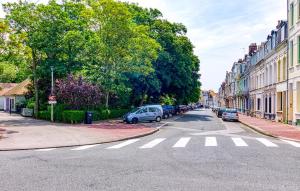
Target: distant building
<point>4,87</point>
<point>257,85</point>
<point>15,96</point>
<point>209,98</point>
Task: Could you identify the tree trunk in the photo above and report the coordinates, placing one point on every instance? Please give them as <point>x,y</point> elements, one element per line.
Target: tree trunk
<point>142,100</point>
<point>35,84</point>
<point>106,102</point>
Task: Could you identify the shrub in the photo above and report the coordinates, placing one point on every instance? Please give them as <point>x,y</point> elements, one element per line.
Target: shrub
<point>30,104</point>
<point>116,113</point>
<point>45,115</point>
<point>77,93</point>
<point>58,112</point>
<point>73,116</point>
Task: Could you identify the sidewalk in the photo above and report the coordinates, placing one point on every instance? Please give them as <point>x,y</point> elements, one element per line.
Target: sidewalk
<point>19,133</point>
<point>274,129</point>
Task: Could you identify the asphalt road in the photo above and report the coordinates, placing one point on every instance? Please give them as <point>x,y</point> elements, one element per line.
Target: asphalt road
<point>195,152</point>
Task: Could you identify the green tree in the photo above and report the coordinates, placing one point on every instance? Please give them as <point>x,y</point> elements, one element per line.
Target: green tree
<point>177,68</point>
<point>117,46</point>
<point>13,55</point>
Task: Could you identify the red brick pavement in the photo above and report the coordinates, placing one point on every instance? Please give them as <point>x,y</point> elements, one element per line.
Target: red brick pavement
<point>270,128</point>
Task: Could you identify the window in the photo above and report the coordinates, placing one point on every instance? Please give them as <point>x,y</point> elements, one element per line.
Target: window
<point>298,96</point>
<point>279,101</point>
<point>298,49</point>
<point>299,10</point>
<point>258,104</point>
<point>292,14</point>
<point>292,53</point>
<point>142,111</point>
<point>12,102</point>
<point>284,68</point>
<point>266,105</point>
<point>270,105</point>
<point>152,109</point>
<point>271,75</point>
<point>278,70</point>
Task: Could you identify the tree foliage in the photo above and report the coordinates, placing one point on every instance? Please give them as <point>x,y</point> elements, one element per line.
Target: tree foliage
<point>77,93</point>
<point>131,53</point>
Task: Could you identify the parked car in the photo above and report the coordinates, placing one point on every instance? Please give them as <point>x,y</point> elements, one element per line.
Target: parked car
<point>230,115</point>
<point>144,113</point>
<point>168,111</point>
<point>220,112</point>
<point>214,109</point>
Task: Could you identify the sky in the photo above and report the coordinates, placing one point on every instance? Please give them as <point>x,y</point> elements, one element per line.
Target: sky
<point>220,30</point>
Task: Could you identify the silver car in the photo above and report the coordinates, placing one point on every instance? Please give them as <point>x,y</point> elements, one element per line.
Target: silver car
<point>145,113</point>
<point>230,115</point>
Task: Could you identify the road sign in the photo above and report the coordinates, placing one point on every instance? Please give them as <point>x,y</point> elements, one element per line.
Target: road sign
<point>52,102</point>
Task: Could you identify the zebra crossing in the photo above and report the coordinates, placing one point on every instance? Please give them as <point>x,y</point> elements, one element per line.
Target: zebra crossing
<point>182,143</point>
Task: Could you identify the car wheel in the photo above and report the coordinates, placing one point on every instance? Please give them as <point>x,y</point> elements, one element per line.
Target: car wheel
<point>158,119</point>
<point>135,120</point>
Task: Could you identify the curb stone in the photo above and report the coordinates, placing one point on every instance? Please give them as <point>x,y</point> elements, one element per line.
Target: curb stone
<point>257,129</point>
<point>77,145</point>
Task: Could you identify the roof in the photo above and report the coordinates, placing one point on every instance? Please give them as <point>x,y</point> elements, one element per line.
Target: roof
<point>19,89</point>
<point>4,87</point>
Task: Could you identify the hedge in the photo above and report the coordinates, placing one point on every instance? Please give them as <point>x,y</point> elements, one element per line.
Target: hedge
<point>116,113</point>
<point>46,115</point>
<point>73,116</point>
<point>108,114</point>
<point>77,116</point>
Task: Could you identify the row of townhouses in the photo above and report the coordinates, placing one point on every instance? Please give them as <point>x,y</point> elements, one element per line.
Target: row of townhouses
<point>266,82</point>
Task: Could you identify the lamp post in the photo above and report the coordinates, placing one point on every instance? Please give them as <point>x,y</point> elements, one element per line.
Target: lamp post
<point>52,92</point>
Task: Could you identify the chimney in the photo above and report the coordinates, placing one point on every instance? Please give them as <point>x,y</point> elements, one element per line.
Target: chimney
<point>279,24</point>
<point>252,48</point>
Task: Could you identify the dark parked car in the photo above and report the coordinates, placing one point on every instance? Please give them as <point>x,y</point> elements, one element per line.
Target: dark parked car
<point>168,111</point>
<point>180,109</point>
<point>220,112</point>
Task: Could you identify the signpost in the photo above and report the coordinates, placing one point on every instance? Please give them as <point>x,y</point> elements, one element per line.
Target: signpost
<point>52,101</point>
<point>52,98</point>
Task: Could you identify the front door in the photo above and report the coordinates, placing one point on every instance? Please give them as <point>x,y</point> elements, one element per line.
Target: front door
<point>142,114</point>
<point>7,105</point>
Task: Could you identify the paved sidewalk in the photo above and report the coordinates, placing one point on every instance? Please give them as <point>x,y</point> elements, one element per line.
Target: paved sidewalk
<point>274,129</point>
<point>27,133</point>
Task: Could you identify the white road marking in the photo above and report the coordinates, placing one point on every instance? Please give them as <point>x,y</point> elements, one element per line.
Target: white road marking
<point>152,144</point>
<point>44,150</point>
<point>162,125</point>
<point>83,147</point>
<point>211,142</point>
<point>182,142</point>
<point>118,146</point>
<point>295,144</point>
<point>266,142</point>
<point>239,142</point>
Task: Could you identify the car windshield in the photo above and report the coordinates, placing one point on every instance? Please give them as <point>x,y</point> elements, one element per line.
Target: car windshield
<point>135,109</point>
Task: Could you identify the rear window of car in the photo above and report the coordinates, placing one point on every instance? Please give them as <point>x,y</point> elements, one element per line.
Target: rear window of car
<point>231,111</point>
